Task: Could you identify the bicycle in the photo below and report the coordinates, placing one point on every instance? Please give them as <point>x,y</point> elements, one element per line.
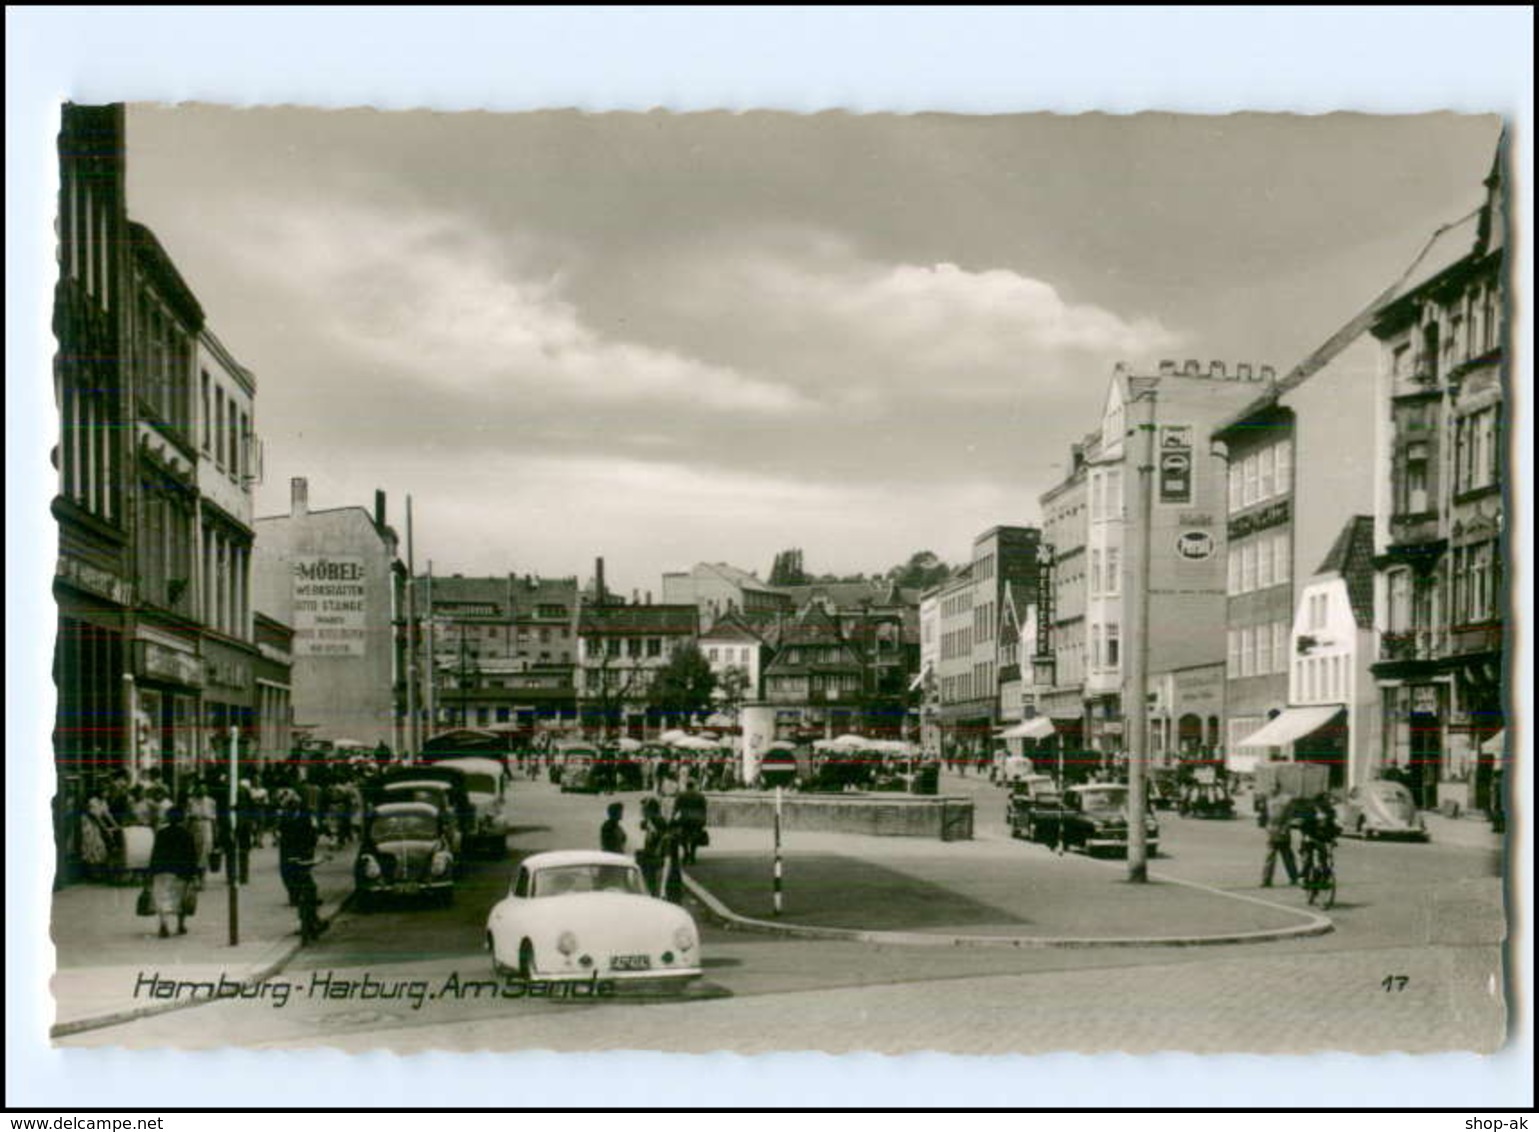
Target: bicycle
<point>1317,876</point>
<point>308,899</point>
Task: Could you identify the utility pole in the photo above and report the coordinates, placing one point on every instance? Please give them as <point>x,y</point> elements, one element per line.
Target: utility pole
<point>413,724</point>
<point>1135,688</point>
<point>432,664</point>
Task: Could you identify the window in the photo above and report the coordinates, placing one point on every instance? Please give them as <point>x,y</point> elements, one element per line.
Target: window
<point>654,647</point>
<point>1113,653</point>
<point>1247,651</point>
<point>1267,464</point>
<point>219,427</point>
<point>1416,498</point>
<point>1264,563</point>
<point>1236,485</point>
<point>1281,633</point>
<point>1114,493</point>
<point>1113,571</point>
<point>1282,559</point>
<point>611,646</point>
<point>1234,570</point>
<point>1283,471</point>
<point>1248,567</point>
<point>1234,653</point>
<point>1263,650</point>
<point>1095,572</point>
<point>1252,479</point>
<point>206,407</point>
<point>633,647</point>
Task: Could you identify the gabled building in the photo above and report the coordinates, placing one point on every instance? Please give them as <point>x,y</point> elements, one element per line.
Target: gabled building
<point>736,652</point>
<point>1440,535</point>
<point>816,681</point>
<point>715,589</point>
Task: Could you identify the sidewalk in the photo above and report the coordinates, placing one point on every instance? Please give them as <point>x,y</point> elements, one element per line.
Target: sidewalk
<point>974,893</point>
<point>108,958</point>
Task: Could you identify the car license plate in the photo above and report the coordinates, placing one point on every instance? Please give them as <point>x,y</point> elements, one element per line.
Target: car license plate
<point>630,963</point>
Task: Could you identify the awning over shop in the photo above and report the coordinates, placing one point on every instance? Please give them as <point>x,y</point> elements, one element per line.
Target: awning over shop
<point>1293,723</point>
<point>1039,728</point>
<point>1241,762</point>
<point>1494,745</point>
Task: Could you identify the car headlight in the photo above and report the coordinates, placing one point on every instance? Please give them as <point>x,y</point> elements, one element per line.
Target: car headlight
<point>684,938</point>
<point>371,868</point>
<point>566,943</point>
<point>441,863</point>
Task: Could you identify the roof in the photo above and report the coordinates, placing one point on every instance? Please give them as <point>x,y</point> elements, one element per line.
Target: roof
<point>555,858</point>
<point>850,595</point>
<point>1351,556</point>
<point>639,619</point>
<point>738,577</point>
<point>731,627</point>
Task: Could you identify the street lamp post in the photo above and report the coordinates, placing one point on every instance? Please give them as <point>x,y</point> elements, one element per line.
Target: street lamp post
<point>1135,689</point>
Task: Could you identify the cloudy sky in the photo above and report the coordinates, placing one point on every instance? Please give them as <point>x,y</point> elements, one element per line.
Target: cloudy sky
<point>667,338</point>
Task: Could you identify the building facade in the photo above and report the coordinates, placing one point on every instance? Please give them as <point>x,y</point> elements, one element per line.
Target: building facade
<point>504,651</point>
<point>715,589</point>
<point>1440,531</point>
<point>333,575</point>
<point>621,649</point>
<point>1088,517</point>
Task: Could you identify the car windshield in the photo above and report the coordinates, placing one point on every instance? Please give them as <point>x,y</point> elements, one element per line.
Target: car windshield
<point>404,827</point>
<point>559,880</point>
<point>418,792</point>
<point>1112,799</point>
<point>481,784</point>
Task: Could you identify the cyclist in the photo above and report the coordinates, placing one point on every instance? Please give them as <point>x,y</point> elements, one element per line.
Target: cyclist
<point>1318,831</point>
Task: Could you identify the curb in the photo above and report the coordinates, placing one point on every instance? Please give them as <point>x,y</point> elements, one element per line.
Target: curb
<point>1316,924</point>
<point>285,949</point>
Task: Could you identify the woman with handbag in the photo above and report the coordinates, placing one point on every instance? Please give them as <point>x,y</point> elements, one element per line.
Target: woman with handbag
<point>202,814</point>
<point>173,869</point>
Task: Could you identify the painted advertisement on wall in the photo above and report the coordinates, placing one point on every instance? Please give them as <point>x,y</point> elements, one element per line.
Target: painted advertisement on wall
<point>1174,464</point>
<point>330,607</point>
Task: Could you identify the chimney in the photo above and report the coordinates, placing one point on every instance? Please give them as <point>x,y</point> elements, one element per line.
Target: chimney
<point>1268,373</point>
<point>299,497</point>
<point>598,581</point>
<point>1243,371</point>
<point>1193,367</point>
<point>379,509</point>
<point>635,597</point>
<point>1217,370</point>
<point>649,597</point>
<point>1167,367</point>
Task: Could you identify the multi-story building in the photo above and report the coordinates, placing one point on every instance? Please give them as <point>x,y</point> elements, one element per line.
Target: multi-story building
<point>1088,517</point>
<point>229,464</point>
<point>1004,571</point>
<point>736,653</point>
<point>273,677</point>
<point>169,672</point>
<point>95,505</point>
<point>959,709</point>
<point>926,683</point>
<point>334,576</point>
<point>504,650</point>
<point>1059,656</point>
<point>621,648</point>
<point>1440,520</point>
<point>716,588</point>
<point>1297,472</point>
<point>817,680</point>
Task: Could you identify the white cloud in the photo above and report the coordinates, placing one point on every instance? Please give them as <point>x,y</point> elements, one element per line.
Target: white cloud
<point>939,329</point>
<point>431,297</point>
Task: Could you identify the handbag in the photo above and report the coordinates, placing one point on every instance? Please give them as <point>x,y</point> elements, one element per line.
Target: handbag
<point>190,901</point>
<point>215,860</point>
<point>146,903</point>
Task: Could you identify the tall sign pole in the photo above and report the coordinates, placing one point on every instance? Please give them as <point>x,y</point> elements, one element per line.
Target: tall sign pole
<point>432,668</point>
<point>779,790</point>
<point>413,735</point>
<point>1135,689</point>
<point>232,854</point>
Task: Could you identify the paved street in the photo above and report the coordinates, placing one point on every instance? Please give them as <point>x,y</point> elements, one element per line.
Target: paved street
<point>1427,913</point>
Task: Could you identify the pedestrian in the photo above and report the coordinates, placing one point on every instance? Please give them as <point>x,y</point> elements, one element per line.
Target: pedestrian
<point>689,814</point>
<point>654,843</point>
<point>297,840</point>
<point>1279,837</point>
<point>173,871</point>
<point>202,816</point>
<point>98,838</point>
<point>612,832</point>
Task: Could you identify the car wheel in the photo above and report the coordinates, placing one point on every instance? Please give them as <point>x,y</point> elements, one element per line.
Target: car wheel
<point>526,960</point>
<point>499,968</point>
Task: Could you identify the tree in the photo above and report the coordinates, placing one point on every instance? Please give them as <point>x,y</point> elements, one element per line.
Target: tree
<point>734,688</point>
<point>921,571</point>
<point>681,688</point>
<point>787,570</point>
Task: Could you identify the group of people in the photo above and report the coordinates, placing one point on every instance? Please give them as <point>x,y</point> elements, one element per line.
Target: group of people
<point>669,841</point>
<point>1314,819</point>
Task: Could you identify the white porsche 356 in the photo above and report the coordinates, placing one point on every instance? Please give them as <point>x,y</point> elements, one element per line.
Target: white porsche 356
<point>576,915</point>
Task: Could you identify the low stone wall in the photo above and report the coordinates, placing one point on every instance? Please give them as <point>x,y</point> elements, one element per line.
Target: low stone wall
<point>881,815</point>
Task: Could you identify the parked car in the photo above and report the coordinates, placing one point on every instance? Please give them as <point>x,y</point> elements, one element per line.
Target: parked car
<point>1036,810</point>
<point>574,915</point>
<point>441,786</point>
<point>581,770</point>
<point>1095,818</point>
<point>486,783</point>
<point>405,852</point>
<point>1380,809</point>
